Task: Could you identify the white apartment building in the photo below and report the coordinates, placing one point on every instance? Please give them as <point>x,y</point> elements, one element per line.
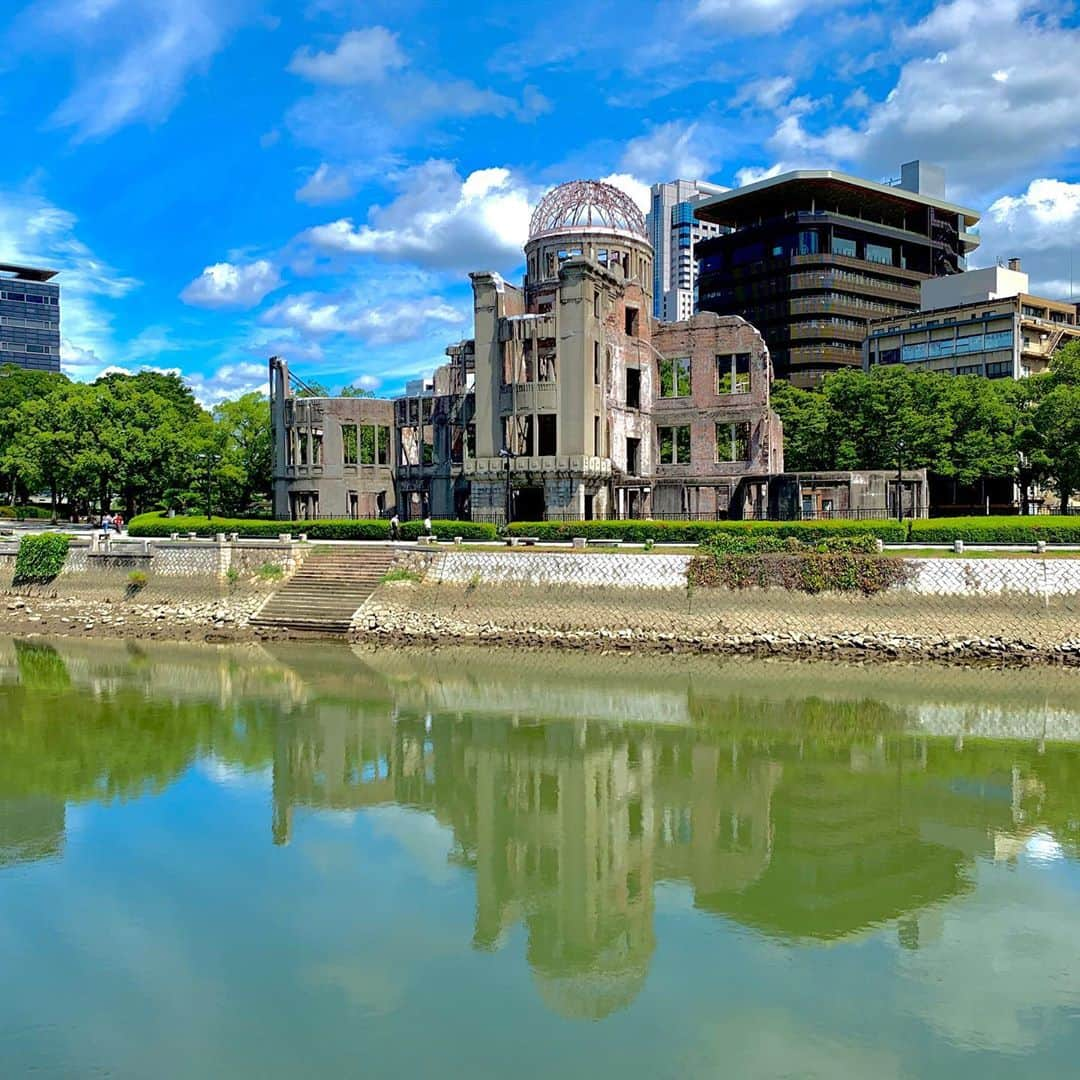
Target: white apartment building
<point>673,232</point>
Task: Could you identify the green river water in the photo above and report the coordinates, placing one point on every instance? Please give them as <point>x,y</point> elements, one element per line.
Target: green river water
<point>307,861</point>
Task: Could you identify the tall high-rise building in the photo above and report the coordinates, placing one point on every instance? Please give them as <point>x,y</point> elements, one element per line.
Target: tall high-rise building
<point>29,318</point>
<point>673,232</point>
<point>814,256</point>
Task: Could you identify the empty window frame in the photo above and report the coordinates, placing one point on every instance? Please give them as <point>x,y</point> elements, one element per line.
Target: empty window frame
<point>633,456</point>
<point>518,435</point>
<point>632,321</point>
<point>675,377</point>
<point>674,444</point>
<point>596,363</point>
<point>349,445</point>
<point>633,388</point>
<point>547,435</point>
<point>733,373</point>
<point>383,448</point>
<point>367,445</point>
<point>733,442</point>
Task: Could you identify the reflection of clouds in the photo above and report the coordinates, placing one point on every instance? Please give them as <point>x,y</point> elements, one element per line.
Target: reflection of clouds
<point>766,1044</point>
<point>230,775</point>
<point>1007,961</point>
<point>421,836</point>
<point>378,987</point>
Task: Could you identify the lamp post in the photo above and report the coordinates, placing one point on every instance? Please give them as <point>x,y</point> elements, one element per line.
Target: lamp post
<point>508,457</point>
<point>900,480</point>
<point>209,459</point>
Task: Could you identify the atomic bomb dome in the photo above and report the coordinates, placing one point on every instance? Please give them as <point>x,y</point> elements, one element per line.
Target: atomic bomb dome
<point>586,206</point>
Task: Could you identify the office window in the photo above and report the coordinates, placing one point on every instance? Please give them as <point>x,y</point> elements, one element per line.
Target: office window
<point>674,443</point>
<point>733,442</point>
<point>349,444</point>
<point>841,245</point>
<point>733,373</point>
<point>675,377</point>
<point>999,369</point>
<point>879,253</point>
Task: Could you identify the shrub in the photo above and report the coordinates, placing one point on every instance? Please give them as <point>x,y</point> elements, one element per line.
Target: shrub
<point>137,580</point>
<point>467,530</point>
<point>809,572</point>
<point>330,529</point>
<point>269,571</point>
<point>7,512</point>
<point>40,559</point>
<point>696,532</point>
<point>997,530</point>
<point>731,543</point>
<point>400,573</point>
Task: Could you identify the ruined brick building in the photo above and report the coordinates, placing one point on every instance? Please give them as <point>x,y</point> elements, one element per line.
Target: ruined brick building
<point>570,401</point>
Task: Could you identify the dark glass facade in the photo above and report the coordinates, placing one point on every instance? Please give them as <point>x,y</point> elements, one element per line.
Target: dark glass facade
<point>811,262</point>
<point>29,318</point>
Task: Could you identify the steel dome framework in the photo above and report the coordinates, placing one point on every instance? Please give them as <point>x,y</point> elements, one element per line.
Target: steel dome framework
<point>584,205</point>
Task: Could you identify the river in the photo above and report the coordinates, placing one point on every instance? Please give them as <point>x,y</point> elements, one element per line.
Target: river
<point>311,861</point>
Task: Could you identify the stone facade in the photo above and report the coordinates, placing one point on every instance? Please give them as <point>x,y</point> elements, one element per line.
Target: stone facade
<point>332,457</point>
<point>575,380</point>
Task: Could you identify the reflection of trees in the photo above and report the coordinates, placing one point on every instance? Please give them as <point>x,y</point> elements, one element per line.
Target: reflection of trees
<point>804,819</point>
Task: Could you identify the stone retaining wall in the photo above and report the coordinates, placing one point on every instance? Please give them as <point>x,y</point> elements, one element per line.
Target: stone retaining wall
<point>932,577</point>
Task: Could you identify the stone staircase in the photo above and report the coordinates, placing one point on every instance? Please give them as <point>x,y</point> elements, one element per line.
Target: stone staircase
<point>323,595</point>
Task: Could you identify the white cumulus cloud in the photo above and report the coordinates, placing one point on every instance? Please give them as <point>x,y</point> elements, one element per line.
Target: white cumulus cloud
<point>326,184</point>
<point>361,56</point>
<point>385,323</point>
<point>1040,225</point>
<point>441,221</point>
<point>988,90</point>
<point>226,284</point>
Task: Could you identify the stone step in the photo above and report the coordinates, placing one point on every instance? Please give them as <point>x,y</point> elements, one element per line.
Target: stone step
<point>325,592</point>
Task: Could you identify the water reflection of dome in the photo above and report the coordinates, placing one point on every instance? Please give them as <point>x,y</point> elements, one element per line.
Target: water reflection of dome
<point>590,993</point>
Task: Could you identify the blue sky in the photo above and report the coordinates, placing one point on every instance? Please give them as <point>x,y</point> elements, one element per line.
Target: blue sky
<point>220,180</point>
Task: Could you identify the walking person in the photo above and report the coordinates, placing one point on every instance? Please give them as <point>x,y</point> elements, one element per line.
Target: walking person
<point>427,524</point>
<point>106,523</point>
<point>395,527</point>
<point>118,524</point>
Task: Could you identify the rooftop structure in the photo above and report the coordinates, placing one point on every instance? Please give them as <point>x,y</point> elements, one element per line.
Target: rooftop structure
<point>814,255</point>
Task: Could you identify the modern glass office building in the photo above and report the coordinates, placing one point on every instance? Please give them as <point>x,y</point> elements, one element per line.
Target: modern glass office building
<point>29,318</point>
<point>814,256</point>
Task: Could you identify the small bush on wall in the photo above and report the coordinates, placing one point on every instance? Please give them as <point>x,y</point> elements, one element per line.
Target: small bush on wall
<point>40,558</point>
<point>808,572</point>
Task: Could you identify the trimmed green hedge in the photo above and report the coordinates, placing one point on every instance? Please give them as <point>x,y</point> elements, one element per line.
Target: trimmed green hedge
<point>997,530</point>
<point>344,529</point>
<point>696,532</point>
<point>41,557</point>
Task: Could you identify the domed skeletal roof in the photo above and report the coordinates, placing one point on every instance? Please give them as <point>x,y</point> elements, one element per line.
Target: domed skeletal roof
<point>586,204</point>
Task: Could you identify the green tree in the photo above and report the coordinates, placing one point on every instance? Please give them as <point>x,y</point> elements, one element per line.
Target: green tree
<point>243,427</point>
